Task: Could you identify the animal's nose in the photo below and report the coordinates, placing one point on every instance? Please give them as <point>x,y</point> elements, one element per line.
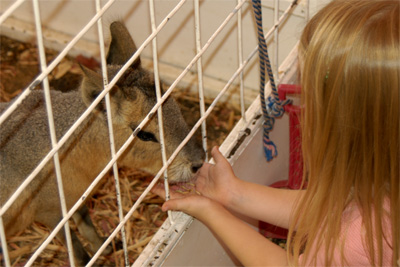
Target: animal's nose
<point>196,166</point>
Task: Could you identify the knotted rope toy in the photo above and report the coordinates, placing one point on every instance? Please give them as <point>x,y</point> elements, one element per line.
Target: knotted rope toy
<point>274,108</point>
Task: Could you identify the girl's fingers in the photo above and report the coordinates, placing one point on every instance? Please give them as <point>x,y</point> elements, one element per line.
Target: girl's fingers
<point>218,157</point>
<point>188,204</point>
<point>172,204</point>
<point>159,190</point>
<point>216,154</point>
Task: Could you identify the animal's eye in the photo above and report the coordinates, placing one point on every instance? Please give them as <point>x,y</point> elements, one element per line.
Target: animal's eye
<point>146,136</point>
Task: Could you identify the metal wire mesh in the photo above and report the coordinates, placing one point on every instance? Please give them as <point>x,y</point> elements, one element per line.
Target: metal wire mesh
<point>201,47</point>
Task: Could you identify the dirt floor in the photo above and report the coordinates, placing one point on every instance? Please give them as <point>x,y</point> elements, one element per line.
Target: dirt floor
<point>18,67</point>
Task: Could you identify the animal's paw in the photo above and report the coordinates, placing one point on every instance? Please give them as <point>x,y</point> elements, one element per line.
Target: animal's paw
<point>113,247</point>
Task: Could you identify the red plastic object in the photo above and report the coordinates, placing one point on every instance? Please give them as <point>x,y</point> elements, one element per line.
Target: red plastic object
<point>295,157</point>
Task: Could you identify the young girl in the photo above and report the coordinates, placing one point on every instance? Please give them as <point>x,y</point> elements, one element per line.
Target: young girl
<point>349,214</point>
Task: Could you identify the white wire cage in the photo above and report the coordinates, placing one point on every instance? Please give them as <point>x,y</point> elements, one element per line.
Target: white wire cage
<point>207,46</point>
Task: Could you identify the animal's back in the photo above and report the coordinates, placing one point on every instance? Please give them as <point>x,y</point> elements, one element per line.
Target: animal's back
<point>25,138</point>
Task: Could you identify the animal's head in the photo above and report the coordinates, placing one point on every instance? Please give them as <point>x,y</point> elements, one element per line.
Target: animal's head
<point>132,98</point>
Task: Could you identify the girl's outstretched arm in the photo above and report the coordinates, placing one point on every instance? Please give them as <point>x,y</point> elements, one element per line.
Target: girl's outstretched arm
<point>218,182</point>
<point>248,246</point>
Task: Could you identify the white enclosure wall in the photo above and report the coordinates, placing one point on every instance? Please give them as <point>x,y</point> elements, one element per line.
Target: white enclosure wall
<point>176,42</point>
<point>186,242</point>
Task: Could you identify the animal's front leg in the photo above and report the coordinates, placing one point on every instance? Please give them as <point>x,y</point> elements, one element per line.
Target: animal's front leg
<point>88,231</point>
<point>80,254</point>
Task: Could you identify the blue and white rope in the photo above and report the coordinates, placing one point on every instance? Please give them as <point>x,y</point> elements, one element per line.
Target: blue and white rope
<point>274,108</point>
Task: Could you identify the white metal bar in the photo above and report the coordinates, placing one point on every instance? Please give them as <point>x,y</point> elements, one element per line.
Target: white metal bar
<point>10,10</point>
<point>164,242</point>
<point>92,106</point>
<point>205,47</point>
<point>240,58</point>
<point>119,152</point>
<point>53,64</point>
<point>159,111</point>
<point>53,137</point>
<point>191,133</point>
<point>281,18</point>
<point>111,131</point>
<point>200,75</point>
<point>6,256</point>
<point>276,40</point>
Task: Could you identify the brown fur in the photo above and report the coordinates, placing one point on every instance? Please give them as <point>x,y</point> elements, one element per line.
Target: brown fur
<point>24,141</point>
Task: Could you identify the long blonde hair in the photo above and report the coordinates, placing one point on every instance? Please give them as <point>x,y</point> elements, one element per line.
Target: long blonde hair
<point>350,80</point>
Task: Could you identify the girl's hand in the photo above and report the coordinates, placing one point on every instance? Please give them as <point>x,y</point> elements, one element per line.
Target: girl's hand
<point>189,202</point>
<point>217,182</point>
<point>215,186</point>
<point>249,247</point>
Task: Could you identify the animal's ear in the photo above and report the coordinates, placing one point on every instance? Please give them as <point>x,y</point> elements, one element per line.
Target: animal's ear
<point>91,87</point>
<point>122,46</point>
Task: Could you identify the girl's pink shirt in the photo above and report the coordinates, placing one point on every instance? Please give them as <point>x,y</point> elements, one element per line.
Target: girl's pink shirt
<point>355,249</point>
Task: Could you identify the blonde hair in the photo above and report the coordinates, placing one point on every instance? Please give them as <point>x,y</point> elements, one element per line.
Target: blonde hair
<point>350,80</point>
